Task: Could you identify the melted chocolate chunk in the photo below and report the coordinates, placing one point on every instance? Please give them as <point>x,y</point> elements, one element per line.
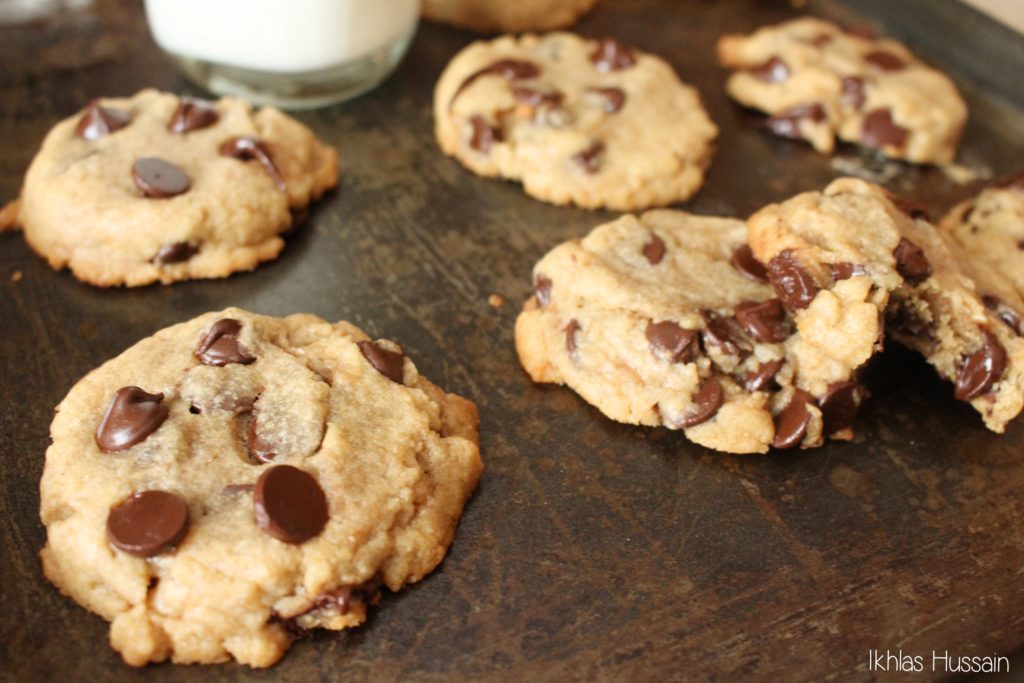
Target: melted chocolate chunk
<point>611,55</point>
<point>743,261</point>
<point>980,370</point>
<point>706,402</point>
<point>389,363</point>
<point>787,123</point>
<point>612,99</point>
<point>911,262</point>
<point>133,414</point>
<point>791,282</point>
<point>289,504</point>
<point>176,252</point>
<point>670,341</point>
<point>724,334</point>
<point>249,149</point>
<point>845,270</point>
<point>148,523</point>
<point>572,331</point>
<point>879,130</point>
<point>98,121</point>
<point>220,345</point>
<point>192,114</point>
<point>773,70</point>
<point>533,97</point>
<point>763,378</point>
<point>886,61</point>
<point>853,91</point>
<point>839,406</point>
<point>484,135</point>
<point>765,321</point>
<point>542,289</point>
<point>791,424</point>
<point>159,179</point>
<point>509,69</point>
<point>1005,313</point>
<point>654,250</point>
<point>590,159</point>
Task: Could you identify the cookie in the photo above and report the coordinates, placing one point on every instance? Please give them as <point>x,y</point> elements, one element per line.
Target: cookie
<point>500,16</point>
<point>815,240</point>
<point>593,123</point>
<point>816,81</point>
<point>237,479</point>
<point>667,319</point>
<point>157,188</point>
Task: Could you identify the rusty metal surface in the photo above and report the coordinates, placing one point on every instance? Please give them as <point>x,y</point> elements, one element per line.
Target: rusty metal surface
<point>591,549</point>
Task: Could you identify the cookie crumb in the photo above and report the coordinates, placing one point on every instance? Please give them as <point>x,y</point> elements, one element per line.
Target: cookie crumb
<point>495,301</point>
<point>16,276</point>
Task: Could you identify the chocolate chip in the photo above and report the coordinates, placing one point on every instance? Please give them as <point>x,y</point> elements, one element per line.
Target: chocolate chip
<point>905,320</point>
<point>654,250</point>
<point>787,123</point>
<point>248,149</point>
<point>981,369</point>
<point>159,179</point>
<point>791,424</point>
<point>220,345</point>
<point>886,61</point>
<point>791,282</point>
<point>509,69</point>
<point>341,599</point>
<point>176,252</point>
<point>845,270</point>
<point>911,262</point>
<point>133,414</point>
<point>98,121</point>
<point>533,97</point>
<point>611,55</point>
<point>773,70</point>
<point>192,114</point>
<point>765,321</point>
<point>1005,313</point>
<point>853,91</point>
<point>542,289</point>
<point>389,363</point>
<point>763,378</point>
<point>724,334</point>
<point>484,135</point>
<point>148,523</point>
<point>912,209</point>
<point>706,402</point>
<point>259,449</point>
<point>612,99</point>
<point>839,405</point>
<point>743,260</point>
<point>879,130</point>
<point>289,504</point>
<point>670,341</point>
<point>572,331</point>
<point>590,159</point>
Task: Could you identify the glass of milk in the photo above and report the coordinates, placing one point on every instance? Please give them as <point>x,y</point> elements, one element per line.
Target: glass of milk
<point>296,54</point>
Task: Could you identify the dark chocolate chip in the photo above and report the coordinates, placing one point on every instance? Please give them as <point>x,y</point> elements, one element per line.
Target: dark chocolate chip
<point>1005,313</point>
<point>765,321</point>
<point>484,135</point>
<point>911,262</point>
<point>844,270</point>
<point>853,91</point>
<point>791,424</point>
<point>913,209</point>
<point>176,252</point>
<point>148,523</point>
<point>743,260</point>
<point>590,159</point>
<point>612,99</point>
<point>724,334</point>
<point>791,282</point>
<point>192,114</point>
<point>341,599</point>
<point>611,55</point>
<point>706,402</point>
<point>133,414</point>
<point>654,250</point>
<point>159,179</point>
<point>981,369</point>
<point>839,405</point>
<point>572,331</point>
<point>763,378</point>
<point>880,130</point>
<point>886,61</point>
<point>787,123</point>
<point>247,148</point>
<point>289,504</point>
<point>670,341</point>
<point>389,363</point>
<point>773,70</point>
<point>542,289</point>
<point>98,121</point>
<point>509,69</point>
<point>533,97</point>
<point>220,345</point>
<point>259,449</point>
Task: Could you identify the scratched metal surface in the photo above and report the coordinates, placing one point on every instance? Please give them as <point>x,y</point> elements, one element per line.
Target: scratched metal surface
<point>591,549</point>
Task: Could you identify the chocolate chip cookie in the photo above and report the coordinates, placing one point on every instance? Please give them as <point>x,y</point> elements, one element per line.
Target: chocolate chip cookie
<point>817,240</point>
<point>816,81</point>
<point>668,319</point>
<point>501,16</point>
<point>589,122</point>
<point>237,479</point>
<point>157,188</point>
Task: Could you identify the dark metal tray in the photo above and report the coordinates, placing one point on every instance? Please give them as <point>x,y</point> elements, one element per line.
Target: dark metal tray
<point>592,550</point>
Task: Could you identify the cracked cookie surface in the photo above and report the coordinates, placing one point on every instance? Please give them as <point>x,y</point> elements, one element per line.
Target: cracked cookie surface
<point>507,17</point>
<point>237,478</point>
